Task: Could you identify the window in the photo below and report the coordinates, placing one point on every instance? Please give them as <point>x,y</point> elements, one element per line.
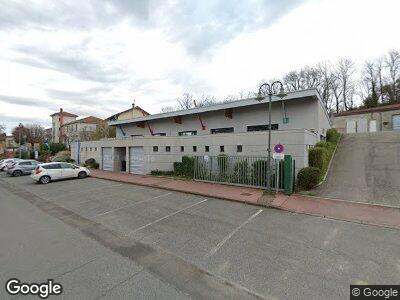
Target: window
<point>221,148</point>
<point>25,163</point>
<point>239,148</point>
<point>194,148</point>
<point>159,134</point>
<point>66,166</point>
<point>90,149</point>
<point>182,148</point>
<point>136,135</point>
<point>167,148</point>
<point>262,127</point>
<point>95,148</point>
<point>52,166</point>
<point>155,148</point>
<point>207,148</point>
<point>81,149</point>
<point>190,132</point>
<point>85,148</point>
<point>222,130</point>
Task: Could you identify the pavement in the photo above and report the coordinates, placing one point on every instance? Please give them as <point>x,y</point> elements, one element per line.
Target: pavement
<point>365,169</point>
<point>317,206</point>
<point>112,240</point>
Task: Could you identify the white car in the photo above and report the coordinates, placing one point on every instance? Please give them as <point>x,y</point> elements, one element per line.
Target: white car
<point>44,173</point>
<point>7,161</point>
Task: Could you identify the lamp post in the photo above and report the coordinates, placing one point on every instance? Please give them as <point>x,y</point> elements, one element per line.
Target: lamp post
<point>264,89</point>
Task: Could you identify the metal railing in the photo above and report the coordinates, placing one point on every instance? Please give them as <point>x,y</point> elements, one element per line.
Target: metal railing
<point>239,170</point>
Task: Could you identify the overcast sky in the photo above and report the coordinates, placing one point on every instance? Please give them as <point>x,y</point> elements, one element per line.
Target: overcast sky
<point>95,57</point>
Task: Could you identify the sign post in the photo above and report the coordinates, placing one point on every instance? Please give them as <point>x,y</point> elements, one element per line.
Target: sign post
<point>278,152</point>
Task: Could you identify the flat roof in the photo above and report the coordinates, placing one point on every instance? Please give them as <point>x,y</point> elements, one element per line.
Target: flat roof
<point>359,111</point>
<point>220,106</point>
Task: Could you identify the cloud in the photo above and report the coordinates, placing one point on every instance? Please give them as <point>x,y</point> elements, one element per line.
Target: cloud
<point>26,101</point>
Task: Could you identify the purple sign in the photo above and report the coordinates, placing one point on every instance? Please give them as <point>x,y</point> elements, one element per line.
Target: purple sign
<point>279,148</point>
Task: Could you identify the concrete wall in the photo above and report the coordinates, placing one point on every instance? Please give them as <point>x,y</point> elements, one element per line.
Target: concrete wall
<point>296,142</point>
<point>56,126</point>
<point>304,113</point>
<point>383,120</point>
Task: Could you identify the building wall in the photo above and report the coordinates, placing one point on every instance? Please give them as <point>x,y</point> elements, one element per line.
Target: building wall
<point>130,114</point>
<point>383,120</point>
<point>56,126</point>
<point>298,111</point>
<point>296,142</point>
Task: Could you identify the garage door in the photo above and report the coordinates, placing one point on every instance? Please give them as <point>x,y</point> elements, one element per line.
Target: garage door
<point>396,122</point>
<point>107,159</point>
<point>351,126</point>
<point>362,125</point>
<point>136,160</point>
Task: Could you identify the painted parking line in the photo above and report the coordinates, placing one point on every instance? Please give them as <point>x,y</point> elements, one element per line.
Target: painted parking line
<point>225,239</point>
<point>167,216</point>
<point>64,194</point>
<point>130,205</point>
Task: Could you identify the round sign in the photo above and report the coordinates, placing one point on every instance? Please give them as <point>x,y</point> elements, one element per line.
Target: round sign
<point>279,148</point>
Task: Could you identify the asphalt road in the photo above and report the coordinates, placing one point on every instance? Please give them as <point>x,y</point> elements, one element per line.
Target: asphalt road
<point>366,168</point>
<point>103,239</point>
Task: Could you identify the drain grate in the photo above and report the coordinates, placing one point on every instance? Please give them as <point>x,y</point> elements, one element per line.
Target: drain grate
<point>245,194</point>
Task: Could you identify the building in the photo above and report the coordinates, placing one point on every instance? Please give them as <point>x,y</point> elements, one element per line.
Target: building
<point>381,118</point>
<point>131,113</point>
<point>58,120</point>
<point>80,130</point>
<point>240,127</point>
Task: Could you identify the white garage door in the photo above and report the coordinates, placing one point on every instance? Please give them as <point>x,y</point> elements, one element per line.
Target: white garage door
<point>136,160</point>
<point>362,125</point>
<point>351,126</point>
<point>372,126</point>
<point>107,159</point>
<point>396,122</point>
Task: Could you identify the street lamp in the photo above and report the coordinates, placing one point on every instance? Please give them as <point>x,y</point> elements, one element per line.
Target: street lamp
<point>264,89</point>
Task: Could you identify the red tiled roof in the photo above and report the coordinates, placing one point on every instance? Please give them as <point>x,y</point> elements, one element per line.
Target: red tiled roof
<point>65,114</point>
<point>369,110</point>
<point>145,113</point>
<point>87,120</point>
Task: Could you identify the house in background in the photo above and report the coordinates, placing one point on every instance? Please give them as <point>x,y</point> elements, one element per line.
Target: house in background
<point>80,130</point>
<point>58,120</point>
<point>238,128</point>
<point>381,118</point>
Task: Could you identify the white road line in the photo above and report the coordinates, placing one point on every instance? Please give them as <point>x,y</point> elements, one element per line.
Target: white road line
<point>133,204</point>
<point>221,243</point>
<point>167,216</point>
<point>66,194</point>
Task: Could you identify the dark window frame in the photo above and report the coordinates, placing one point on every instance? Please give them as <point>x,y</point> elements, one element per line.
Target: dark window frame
<point>167,148</point>
<point>222,130</point>
<point>264,127</point>
<point>182,148</point>
<point>155,148</point>
<point>159,134</point>
<point>239,148</point>
<point>222,148</point>
<point>206,148</point>
<point>185,133</point>
<point>194,148</point>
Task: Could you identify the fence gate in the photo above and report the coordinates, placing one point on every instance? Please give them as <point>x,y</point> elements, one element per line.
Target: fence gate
<point>242,170</point>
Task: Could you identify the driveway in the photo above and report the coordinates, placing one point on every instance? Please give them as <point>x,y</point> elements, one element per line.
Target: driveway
<point>366,168</point>
<point>102,239</point>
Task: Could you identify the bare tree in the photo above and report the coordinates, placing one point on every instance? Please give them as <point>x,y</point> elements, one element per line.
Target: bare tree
<point>393,65</point>
<point>370,79</point>
<point>205,100</point>
<point>166,109</point>
<point>186,101</point>
<point>344,73</point>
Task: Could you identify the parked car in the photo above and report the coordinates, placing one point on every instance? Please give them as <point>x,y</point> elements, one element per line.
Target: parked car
<point>6,162</point>
<point>44,173</point>
<point>21,167</point>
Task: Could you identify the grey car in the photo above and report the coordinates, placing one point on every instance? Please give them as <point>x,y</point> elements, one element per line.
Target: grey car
<point>22,167</point>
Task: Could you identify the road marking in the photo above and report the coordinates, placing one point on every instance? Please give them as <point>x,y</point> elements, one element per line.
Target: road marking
<point>65,194</point>
<point>167,216</point>
<point>221,243</point>
<point>130,205</point>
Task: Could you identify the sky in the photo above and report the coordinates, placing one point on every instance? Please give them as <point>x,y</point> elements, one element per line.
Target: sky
<point>96,58</point>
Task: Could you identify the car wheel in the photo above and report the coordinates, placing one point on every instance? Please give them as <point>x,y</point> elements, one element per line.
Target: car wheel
<point>82,175</point>
<point>44,179</point>
<point>17,173</point>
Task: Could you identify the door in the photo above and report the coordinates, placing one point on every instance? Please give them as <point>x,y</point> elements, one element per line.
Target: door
<point>351,126</point>
<point>136,160</point>
<point>54,170</point>
<point>26,167</point>
<point>107,159</point>
<point>372,126</point>
<point>68,171</point>
<point>396,122</point>
<point>362,125</point>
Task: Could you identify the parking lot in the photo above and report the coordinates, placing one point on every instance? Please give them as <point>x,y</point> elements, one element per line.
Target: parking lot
<point>261,251</point>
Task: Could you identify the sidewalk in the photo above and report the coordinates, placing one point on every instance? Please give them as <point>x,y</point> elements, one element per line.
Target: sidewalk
<point>322,207</point>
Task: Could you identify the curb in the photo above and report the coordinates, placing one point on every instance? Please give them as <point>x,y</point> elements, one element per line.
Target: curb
<point>330,163</point>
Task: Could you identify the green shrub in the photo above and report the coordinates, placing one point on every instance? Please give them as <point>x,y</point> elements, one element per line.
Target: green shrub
<point>308,177</point>
<point>161,173</point>
<point>95,165</point>
<point>332,135</point>
<point>241,171</point>
<point>184,168</point>
<point>318,157</point>
<point>56,147</point>
<point>90,161</point>
<point>178,168</point>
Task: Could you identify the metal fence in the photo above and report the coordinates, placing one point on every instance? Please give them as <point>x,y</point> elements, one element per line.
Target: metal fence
<point>239,170</point>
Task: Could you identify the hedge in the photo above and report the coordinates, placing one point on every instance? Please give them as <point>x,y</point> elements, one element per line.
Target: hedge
<point>332,135</point>
<point>184,168</point>
<point>308,177</point>
<point>318,157</point>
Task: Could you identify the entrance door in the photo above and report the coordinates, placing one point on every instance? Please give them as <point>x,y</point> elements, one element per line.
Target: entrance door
<point>351,126</point>
<point>107,159</point>
<point>396,122</point>
<point>362,125</point>
<point>136,160</point>
<point>372,126</point>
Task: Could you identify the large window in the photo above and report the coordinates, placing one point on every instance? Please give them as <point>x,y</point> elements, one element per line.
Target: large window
<point>190,132</point>
<point>159,134</point>
<point>222,130</point>
<point>262,127</point>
